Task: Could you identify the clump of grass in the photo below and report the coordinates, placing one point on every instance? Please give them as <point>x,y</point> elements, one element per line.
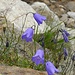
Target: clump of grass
<point>11,45</point>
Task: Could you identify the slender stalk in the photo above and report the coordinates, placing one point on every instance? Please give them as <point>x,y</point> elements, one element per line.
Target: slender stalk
<point>23,23</point>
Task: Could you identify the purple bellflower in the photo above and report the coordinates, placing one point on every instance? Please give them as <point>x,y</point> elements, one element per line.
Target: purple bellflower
<point>67,34</point>
<point>38,58</point>
<point>28,35</point>
<point>65,52</point>
<point>51,69</point>
<point>39,18</point>
<point>65,37</point>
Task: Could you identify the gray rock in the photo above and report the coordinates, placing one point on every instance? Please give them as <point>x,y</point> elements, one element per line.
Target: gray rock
<point>71,14</point>
<point>53,19</point>
<point>70,23</point>
<point>64,18</point>
<point>72,34</point>
<point>71,5</point>
<point>15,12</point>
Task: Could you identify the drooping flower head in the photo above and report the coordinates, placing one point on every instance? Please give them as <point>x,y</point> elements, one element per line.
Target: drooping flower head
<point>67,34</point>
<point>65,37</point>
<point>51,69</point>
<point>39,18</point>
<point>28,35</point>
<point>65,52</point>
<point>38,58</point>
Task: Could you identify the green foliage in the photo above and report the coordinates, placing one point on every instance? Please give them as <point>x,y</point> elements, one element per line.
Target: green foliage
<point>11,45</point>
<point>54,42</point>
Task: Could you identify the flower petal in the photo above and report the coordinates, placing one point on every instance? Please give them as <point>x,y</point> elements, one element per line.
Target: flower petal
<point>28,35</point>
<point>67,34</point>
<point>38,58</point>
<point>39,18</point>
<point>65,37</point>
<point>51,70</point>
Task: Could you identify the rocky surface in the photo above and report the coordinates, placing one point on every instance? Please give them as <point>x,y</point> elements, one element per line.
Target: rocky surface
<point>71,14</point>
<point>13,70</point>
<point>60,7</point>
<point>15,12</point>
<point>52,18</point>
<point>57,7</point>
<point>71,6</point>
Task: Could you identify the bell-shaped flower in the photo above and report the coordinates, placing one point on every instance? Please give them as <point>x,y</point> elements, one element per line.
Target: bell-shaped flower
<point>51,69</point>
<point>65,37</point>
<point>65,52</point>
<point>28,35</point>
<point>38,58</point>
<point>39,18</point>
<point>67,34</point>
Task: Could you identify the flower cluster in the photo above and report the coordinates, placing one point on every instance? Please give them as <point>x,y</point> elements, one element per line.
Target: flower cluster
<point>28,34</point>
<point>38,58</point>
